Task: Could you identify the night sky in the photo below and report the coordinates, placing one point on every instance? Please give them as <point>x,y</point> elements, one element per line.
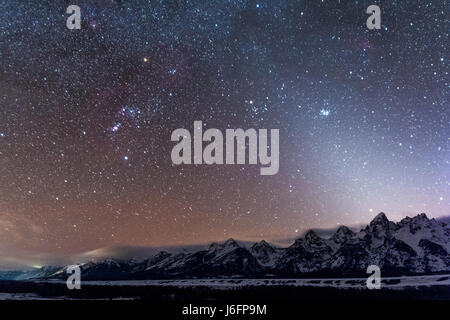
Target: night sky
<point>87,115</point>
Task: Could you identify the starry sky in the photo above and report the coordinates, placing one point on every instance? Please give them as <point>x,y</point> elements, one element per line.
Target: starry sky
<point>86,119</point>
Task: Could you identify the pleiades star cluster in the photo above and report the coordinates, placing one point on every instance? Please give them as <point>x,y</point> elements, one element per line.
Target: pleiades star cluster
<point>86,117</point>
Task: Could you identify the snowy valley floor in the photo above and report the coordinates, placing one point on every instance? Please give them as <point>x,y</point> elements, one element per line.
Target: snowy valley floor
<point>393,288</point>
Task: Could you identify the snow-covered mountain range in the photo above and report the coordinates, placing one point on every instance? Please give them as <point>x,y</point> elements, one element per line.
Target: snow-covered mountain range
<point>412,246</point>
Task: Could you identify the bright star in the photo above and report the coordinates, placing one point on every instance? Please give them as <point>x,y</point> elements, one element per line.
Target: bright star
<point>324,112</point>
<point>115,128</point>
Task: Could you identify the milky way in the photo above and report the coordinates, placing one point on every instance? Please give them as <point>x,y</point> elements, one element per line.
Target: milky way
<point>86,119</point>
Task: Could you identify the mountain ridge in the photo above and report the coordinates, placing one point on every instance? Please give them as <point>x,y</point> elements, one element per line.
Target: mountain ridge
<point>416,245</point>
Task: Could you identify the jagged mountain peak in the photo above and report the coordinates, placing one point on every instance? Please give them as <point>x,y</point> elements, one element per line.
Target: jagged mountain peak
<point>231,242</point>
<point>260,246</point>
<point>312,242</point>
<point>264,253</point>
<point>380,227</point>
<point>342,234</point>
<point>311,238</point>
<point>344,229</point>
<point>420,218</point>
<point>228,244</point>
<point>379,219</point>
<point>311,235</point>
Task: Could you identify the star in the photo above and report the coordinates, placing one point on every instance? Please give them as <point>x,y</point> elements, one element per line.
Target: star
<point>324,112</point>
